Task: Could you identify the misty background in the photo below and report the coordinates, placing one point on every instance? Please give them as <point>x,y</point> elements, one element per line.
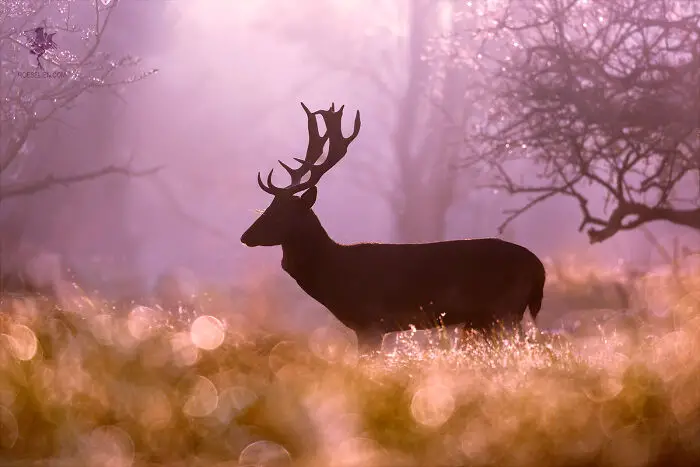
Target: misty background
<point>223,105</point>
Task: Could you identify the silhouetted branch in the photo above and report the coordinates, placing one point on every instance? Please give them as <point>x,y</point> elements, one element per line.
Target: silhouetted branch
<point>181,212</point>
<point>631,216</point>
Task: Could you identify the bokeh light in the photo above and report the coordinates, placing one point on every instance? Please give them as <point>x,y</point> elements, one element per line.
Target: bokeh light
<point>202,399</point>
<point>122,388</point>
<point>108,446</point>
<point>185,353</point>
<point>264,454</point>
<point>22,341</point>
<point>432,405</point>
<point>207,332</point>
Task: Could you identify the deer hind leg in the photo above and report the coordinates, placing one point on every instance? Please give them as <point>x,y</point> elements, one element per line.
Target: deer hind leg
<point>510,309</point>
<point>513,327</point>
<point>510,314</point>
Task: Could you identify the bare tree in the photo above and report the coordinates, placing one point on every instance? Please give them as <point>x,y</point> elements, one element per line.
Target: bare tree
<point>38,83</point>
<point>597,95</point>
<point>51,58</point>
<point>427,157</point>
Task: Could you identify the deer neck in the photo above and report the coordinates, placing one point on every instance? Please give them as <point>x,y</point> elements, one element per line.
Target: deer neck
<point>304,252</point>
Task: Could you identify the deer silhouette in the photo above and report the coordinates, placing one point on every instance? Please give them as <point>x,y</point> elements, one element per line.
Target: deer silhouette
<point>375,288</point>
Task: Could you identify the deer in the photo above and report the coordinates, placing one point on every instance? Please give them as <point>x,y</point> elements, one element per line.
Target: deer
<point>377,288</point>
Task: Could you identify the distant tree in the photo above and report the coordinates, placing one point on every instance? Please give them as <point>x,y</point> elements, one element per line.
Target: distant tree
<point>50,59</point>
<point>595,95</point>
<point>386,47</point>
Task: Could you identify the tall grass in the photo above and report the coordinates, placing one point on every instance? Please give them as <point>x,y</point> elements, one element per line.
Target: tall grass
<point>85,385</point>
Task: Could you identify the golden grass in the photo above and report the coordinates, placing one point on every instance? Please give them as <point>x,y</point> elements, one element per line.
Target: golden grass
<point>87,385</point>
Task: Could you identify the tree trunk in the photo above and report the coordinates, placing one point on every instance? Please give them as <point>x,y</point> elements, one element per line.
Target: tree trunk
<point>426,174</point>
<point>407,124</point>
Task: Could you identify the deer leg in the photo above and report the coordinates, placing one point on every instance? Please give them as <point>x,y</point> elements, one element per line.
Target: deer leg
<point>512,326</point>
<point>369,341</point>
<point>515,327</point>
<point>469,332</point>
<point>510,310</point>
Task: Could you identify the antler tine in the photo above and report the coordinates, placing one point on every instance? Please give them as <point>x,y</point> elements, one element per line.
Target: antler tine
<point>356,128</point>
<point>270,188</point>
<point>273,190</point>
<point>314,151</point>
<point>338,145</point>
<point>289,170</point>
<point>338,142</point>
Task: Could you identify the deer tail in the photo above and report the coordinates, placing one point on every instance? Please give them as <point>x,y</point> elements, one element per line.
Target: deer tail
<point>536,294</point>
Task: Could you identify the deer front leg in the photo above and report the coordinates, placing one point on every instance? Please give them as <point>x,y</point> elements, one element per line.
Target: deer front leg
<point>369,340</point>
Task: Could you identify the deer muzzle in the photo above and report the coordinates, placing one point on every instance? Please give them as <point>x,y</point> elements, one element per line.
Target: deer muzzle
<point>247,239</point>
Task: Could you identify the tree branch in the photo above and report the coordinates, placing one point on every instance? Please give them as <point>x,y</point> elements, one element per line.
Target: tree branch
<point>643,215</point>
<point>51,181</point>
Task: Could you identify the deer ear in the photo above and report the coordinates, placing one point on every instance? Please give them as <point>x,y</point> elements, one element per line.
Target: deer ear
<point>309,197</point>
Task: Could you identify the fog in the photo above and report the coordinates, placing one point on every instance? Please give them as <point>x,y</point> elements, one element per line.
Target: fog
<point>223,105</point>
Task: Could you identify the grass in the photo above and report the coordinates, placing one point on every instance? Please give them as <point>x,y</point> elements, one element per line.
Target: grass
<point>86,385</point>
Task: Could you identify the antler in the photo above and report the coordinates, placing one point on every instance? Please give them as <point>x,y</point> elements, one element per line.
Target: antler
<point>337,148</point>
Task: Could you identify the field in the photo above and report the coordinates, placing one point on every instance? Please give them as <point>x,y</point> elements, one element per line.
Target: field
<point>88,385</point>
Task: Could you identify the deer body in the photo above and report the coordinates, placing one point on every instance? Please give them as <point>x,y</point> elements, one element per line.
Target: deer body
<point>375,288</point>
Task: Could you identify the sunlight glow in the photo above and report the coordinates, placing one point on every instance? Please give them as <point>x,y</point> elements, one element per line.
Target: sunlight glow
<point>233,401</point>
<point>141,323</point>
<point>101,327</point>
<point>445,14</point>
<point>332,345</point>
<point>360,452</point>
<point>157,411</point>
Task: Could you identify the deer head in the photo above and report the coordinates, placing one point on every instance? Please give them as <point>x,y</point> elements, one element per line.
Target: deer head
<point>289,215</point>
